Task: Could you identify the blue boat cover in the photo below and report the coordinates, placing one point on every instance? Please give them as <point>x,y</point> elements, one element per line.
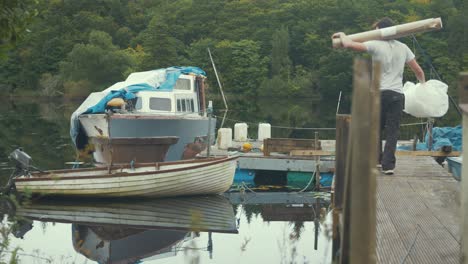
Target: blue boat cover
<point>441,136</point>
<point>157,80</point>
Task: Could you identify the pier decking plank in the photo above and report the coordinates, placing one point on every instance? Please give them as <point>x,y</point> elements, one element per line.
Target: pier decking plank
<point>418,213</point>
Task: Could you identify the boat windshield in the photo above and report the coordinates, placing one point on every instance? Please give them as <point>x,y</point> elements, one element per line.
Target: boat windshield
<point>138,104</point>
<point>182,84</point>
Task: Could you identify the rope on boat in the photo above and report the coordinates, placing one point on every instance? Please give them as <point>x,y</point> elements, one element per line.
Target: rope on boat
<point>247,187</point>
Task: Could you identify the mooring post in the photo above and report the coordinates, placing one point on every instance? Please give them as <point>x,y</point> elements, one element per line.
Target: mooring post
<point>111,149</point>
<point>358,240</point>
<point>317,163</point>
<point>341,149</point>
<point>463,103</point>
<point>430,139</point>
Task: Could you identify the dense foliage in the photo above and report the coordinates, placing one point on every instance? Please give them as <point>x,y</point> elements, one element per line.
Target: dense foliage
<point>266,51</point>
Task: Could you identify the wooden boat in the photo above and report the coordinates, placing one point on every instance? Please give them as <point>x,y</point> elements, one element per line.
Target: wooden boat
<point>110,231</point>
<point>212,213</point>
<point>165,179</point>
<point>454,166</point>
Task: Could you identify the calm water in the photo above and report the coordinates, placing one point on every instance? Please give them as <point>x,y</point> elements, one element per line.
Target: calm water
<point>247,228</point>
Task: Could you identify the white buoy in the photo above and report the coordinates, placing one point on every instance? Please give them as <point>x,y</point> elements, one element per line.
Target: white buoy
<point>264,131</point>
<point>224,140</point>
<point>240,132</point>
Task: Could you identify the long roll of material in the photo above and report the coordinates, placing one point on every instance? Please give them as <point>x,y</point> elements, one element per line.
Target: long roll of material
<point>394,32</point>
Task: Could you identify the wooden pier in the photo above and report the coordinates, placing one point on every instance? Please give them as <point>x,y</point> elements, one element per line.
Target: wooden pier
<point>418,213</point>
<point>413,216</point>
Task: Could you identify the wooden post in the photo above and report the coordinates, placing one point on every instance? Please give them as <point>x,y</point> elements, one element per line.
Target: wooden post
<point>430,140</point>
<point>463,103</point>
<point>341,149</point>
<point>359,218</point>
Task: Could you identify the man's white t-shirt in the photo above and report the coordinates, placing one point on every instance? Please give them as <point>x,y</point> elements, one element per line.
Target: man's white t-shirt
<point>392,55</point>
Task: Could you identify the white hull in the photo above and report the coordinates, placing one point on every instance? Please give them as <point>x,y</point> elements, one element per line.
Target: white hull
<point>157,180</point>
<point>95,125</point>
<point>189,129</point>
<point>214,213</point>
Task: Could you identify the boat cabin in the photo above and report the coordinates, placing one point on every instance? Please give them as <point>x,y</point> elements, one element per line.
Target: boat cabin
<point>187,98</point>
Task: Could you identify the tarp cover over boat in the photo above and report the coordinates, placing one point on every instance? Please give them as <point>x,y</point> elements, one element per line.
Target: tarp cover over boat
<point>155,80</point>
<point>441,136</point>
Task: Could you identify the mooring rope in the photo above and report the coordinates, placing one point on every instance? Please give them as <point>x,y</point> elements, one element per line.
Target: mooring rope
<point>283,127</point>
<point>310,181</point>
<point>309,128</point>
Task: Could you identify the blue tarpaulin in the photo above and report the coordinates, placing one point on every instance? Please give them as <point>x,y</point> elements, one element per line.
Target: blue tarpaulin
<point>441,136</point>
<point>127,93</point>
<point>157,80</point>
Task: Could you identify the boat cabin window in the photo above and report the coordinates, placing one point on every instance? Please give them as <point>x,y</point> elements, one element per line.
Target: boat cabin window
<point>189,106</point>
<point>138,103</point>
<point>179,106</point>
<point>182,84</point>
<point>185,105</point>
<point>160,104</point>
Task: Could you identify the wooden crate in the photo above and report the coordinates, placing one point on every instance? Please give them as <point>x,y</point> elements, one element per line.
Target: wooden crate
<point>286,145</point>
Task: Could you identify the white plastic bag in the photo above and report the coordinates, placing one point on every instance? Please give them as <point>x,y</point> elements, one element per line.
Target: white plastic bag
<point>427,100</point>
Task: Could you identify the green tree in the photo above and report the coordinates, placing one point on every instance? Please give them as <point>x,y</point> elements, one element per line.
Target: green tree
<point>159,45</point>
<point>280,62</point>
<point>100,62</point>
<point>15,17</point>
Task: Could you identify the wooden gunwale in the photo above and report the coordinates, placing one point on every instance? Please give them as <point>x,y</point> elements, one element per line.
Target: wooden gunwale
<point>161,180</point>
<point>160,116</point>
<point>39,176</point>
<point>213,185</point>
<point>114,214</point>
<point>216,212</point>
<point>156,227</point>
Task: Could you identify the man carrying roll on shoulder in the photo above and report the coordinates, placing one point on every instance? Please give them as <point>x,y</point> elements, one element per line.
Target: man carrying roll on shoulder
<point>392,55</point>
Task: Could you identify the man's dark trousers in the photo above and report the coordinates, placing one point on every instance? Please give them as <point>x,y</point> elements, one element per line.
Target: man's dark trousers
<point>392,104</point>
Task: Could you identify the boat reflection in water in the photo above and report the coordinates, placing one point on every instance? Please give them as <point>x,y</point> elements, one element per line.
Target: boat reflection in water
<point>126,232</point>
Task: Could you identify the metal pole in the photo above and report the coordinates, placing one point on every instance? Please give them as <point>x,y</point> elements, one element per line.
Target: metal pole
<point>317,164</point>
<point>220,86</point>
<point>209,111</point>
<point>338,105</point>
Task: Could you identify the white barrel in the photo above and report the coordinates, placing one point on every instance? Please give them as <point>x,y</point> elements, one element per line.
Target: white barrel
<point>224,140</point>
<point>264,131</point>
<point>240,132</point>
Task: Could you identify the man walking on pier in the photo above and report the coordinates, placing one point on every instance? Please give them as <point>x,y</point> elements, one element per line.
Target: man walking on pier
<point>392,55</point>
